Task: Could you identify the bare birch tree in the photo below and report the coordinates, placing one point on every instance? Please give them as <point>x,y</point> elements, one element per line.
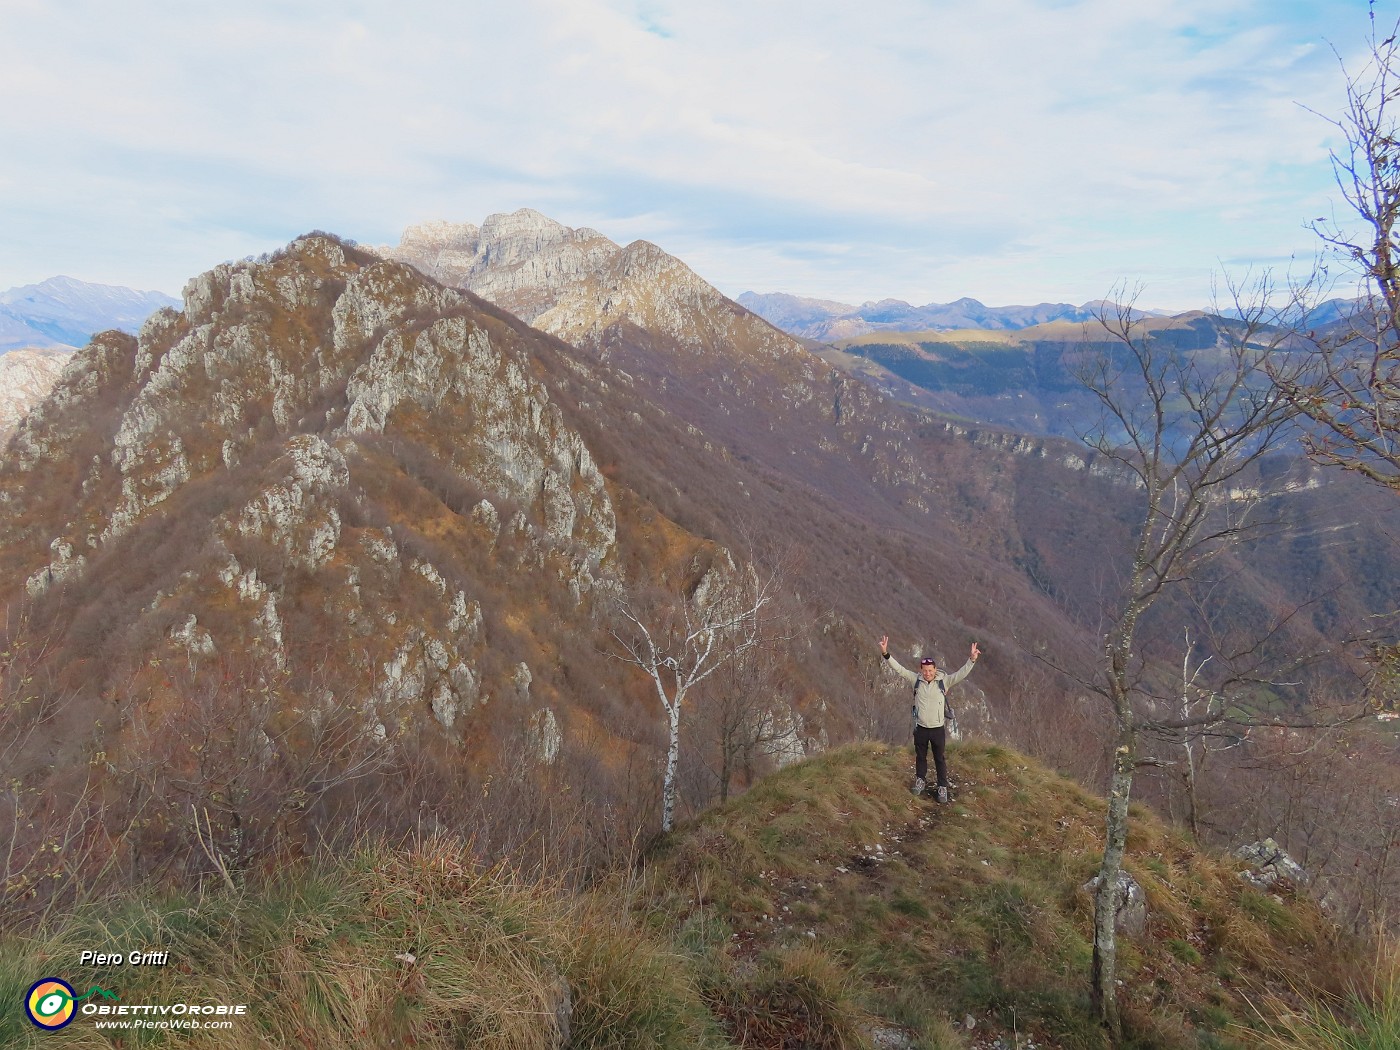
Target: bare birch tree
<point>1193,698</point>
<point>679,641</point>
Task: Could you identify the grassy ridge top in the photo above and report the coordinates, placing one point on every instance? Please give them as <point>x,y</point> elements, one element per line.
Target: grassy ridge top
<point>976,909</point>
<point>827,907</point>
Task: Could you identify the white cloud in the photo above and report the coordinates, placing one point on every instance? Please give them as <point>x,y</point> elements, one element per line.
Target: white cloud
<point>902,148</point>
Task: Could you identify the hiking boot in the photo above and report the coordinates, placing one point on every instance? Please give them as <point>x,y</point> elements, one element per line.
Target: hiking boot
<point>919,786</point>
<point>942,794</point>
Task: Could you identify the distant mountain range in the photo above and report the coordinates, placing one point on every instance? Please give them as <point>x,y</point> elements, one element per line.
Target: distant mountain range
<point>64,312</point>
<point>828,321</point>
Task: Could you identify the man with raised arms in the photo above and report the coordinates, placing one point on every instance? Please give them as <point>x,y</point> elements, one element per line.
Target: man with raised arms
<point>930,713</point>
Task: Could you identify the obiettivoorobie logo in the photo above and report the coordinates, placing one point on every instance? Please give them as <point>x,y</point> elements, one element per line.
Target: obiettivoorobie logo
<point>50,1003</point>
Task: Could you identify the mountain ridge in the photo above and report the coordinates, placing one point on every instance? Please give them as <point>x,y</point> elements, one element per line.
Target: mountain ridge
<point>65,312</point>
<point>828,321</point>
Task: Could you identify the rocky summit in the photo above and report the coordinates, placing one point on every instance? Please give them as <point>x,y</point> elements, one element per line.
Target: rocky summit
<point>321,480</point>
<point>577,284</point>
<point>522,261</point>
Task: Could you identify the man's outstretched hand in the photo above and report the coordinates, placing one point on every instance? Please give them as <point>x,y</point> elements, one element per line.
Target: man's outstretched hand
<point>884,644</point>
<point>976,652</point>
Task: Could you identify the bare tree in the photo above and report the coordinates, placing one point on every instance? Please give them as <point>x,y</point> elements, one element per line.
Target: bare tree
<point>1351,388</point>
<point>1217,687</point>
<point>1185,429</point>
<point>1194,698</point>
<point>740,723</point>
<point>679,641</point>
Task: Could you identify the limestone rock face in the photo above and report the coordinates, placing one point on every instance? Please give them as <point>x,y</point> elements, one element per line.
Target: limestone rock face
<point>524,450</point>
<point>972,715</point>
<point>520,261</point>
<point>298,512</point>
<point>644,286</point>
<point>782,728</point>
<point>26,377</point>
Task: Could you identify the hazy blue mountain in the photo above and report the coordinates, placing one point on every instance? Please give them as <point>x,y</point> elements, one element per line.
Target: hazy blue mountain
<point>792,313</point>
<point>829,321</point>
<point>15,332</point>
<point>66,312</point>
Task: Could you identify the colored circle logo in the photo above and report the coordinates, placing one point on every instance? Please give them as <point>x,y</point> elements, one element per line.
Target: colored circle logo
<point>50,1003</point>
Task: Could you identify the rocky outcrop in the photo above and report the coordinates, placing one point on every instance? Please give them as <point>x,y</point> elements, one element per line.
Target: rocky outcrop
<point>26,377</point>
<point>521,261</point>
<point>298,513</point>
<point>523,450</point>
<point>1270,865</point>
<point>1131,916</point>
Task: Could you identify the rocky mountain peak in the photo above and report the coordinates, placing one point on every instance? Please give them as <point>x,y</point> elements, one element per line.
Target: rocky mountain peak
<point>346,437</point>
<point>643,258</point>
<point>522,260</point>
<point>579,285</point>
<point>510,238</point>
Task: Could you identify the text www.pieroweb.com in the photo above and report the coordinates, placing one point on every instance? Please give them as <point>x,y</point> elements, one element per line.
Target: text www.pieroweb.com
<point>180,1023</point>
<point>179,1017</point>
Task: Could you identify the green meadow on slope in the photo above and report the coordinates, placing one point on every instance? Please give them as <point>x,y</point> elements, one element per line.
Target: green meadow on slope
<point>827,907</point>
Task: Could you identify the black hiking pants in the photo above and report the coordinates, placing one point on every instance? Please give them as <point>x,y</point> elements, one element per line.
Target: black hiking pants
<point>923,737</point>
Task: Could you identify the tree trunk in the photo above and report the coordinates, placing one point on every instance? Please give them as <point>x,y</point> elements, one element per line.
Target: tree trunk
<point>1105,988</point>
<point>1189,770</point>
<point>1192,803</point>
<point>673,752</point>
<point>726,770</point>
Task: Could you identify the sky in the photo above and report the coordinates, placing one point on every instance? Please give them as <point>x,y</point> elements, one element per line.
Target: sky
<point>1016,151</point>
